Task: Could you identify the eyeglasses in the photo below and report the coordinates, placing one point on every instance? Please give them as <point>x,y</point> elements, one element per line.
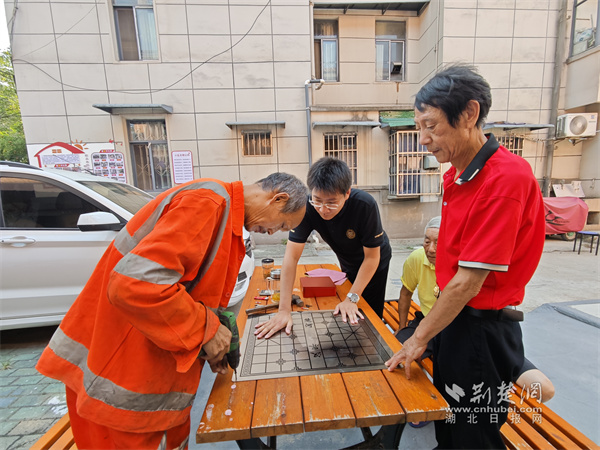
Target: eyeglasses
<point>329,206</point>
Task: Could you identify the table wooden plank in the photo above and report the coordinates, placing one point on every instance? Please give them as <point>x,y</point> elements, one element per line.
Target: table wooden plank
<point>325,403</point>
<point>277,402</point>
<point>370,394</point>
<point>419,398</point>
<point>228,412</point>
<point>277,408</point>
<point>372,399</point>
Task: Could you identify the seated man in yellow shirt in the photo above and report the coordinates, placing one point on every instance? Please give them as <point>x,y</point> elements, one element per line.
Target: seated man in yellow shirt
<point>418,273</point>
<point>419,270</point>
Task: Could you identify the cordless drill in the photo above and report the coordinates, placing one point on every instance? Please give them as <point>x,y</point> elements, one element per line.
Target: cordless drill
<point>227,318</point>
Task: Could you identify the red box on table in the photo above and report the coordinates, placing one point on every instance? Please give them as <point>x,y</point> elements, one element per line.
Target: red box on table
<point>317,287</point>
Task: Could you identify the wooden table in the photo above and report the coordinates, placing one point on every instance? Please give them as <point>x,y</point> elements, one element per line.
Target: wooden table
<point>273,407</point>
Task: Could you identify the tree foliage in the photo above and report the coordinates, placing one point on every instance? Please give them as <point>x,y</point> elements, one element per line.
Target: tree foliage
<point>12,137</point>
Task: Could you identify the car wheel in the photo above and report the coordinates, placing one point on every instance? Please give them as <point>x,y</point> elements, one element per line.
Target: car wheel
<point>568,236</point>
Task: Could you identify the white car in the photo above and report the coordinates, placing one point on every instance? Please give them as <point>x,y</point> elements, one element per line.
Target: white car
<point>54,227</point>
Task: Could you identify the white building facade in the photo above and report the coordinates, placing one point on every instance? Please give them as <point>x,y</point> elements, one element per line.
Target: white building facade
<point>157,92</point>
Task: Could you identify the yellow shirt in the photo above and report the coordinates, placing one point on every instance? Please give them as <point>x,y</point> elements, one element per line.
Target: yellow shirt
<point>418,271</point>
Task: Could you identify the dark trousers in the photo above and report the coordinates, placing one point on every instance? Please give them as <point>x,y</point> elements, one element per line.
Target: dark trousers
<point>405,333</point>
<point>474,360</point>
<point>374,293</point>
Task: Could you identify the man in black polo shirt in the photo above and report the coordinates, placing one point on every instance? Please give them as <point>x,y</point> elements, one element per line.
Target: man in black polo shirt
<point>348,220</point>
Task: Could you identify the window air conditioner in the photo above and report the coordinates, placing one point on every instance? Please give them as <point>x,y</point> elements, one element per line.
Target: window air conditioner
<point>576,125</point>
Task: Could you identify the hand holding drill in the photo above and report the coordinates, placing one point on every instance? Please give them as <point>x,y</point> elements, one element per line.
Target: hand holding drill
<point>225,345</point>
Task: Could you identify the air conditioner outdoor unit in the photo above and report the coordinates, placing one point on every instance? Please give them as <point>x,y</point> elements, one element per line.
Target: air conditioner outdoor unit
<point>576,125</point>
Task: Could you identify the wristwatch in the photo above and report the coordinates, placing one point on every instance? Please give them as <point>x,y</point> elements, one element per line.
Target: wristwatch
<point>353,297</point>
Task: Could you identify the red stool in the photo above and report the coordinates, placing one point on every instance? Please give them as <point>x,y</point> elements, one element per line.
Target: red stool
<point>581,234</point>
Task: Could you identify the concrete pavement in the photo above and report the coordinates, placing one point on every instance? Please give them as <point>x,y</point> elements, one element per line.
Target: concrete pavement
<point>561,333</point>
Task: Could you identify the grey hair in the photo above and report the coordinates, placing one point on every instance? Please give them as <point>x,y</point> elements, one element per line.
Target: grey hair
<point>434,223</point>
<point>284,182</point>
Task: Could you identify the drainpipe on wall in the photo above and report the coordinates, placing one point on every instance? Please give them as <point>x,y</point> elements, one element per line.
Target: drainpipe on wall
<point>559,57</point>
<point>319,82</point>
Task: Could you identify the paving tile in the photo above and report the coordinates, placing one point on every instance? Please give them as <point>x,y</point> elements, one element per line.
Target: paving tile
<point>23,363</point>
<point>25,356</point>
<point>5,391</point>
<point>6,380</point>
<point>27,427</point>
<point>30,400</point>
<point>25,441</point>
<point>8,412</point>
<point>25,372</point>
<point>7,442</point>
<point>5,352</point>
<point>21,381</point>
<point>56,411</point>
<point>7,425</point>
<point>29,412</point>
<point>8,401</point>
<point>28,389</point>
<point>55,388</point>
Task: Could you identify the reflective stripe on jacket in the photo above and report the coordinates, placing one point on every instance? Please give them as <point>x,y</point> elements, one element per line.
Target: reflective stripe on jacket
<point>129,345</point>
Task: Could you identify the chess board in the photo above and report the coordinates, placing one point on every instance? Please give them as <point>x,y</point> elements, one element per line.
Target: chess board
<point>319,343</point>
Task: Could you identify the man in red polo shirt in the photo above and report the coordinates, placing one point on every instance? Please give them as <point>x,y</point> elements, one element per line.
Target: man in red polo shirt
<point>490,242</point>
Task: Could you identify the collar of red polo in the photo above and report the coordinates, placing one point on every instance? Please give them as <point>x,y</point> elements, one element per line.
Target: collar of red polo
<point>475,166</point>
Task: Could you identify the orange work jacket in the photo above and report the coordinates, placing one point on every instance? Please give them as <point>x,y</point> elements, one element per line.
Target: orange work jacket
<point>129,345</point>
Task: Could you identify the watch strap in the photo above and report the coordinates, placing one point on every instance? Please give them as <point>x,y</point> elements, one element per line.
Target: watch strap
<point>353,297</point>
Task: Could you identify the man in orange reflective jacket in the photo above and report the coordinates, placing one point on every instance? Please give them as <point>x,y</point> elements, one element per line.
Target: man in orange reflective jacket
<point>128,349</point>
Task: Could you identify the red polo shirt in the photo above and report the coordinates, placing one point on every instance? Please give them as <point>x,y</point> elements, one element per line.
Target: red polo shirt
<point>493,219</point>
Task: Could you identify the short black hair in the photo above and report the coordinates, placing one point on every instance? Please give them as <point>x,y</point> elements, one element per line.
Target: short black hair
<point>329,175</point>
<point>451,89</point>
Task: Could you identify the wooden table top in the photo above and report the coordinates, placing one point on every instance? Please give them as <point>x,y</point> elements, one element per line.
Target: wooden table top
<point>273,407</point>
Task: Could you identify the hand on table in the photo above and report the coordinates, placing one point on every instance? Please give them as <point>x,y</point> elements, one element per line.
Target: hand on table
<point>283,319</point>
<point>411,351</point>
<point>349,310</point>
<point>215,350</point>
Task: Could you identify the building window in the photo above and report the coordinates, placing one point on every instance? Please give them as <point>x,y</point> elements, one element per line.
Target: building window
<point>150,153</point>
<point>390,39</point>
<point>257,143</point>
<point>413,170</point>
<point>136,30</point>
<point>512,143</point>
<point>584,32</point>
<point>343,146</point>
<point>326,49</point>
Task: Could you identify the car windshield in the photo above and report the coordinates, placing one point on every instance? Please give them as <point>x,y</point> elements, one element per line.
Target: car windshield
<point>128,197</point>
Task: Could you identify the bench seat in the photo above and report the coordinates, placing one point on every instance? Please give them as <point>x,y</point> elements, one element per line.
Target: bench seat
<point>530,424</point>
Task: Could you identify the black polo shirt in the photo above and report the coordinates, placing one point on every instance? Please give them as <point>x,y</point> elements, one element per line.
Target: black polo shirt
<point>357,225</point>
